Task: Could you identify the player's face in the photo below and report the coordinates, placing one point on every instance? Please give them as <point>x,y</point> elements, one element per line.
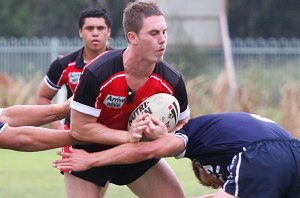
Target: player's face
<point>95,34</point>
<point>152,38</point>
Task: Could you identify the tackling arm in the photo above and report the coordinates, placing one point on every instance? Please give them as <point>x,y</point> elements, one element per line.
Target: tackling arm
<point>28,138</point>
<point>34,115</point>
<point>78,160</point>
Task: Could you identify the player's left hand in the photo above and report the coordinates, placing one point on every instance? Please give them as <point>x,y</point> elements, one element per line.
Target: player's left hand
<point>156,129</point>
<point>77,160</point>
<point>138,126</point>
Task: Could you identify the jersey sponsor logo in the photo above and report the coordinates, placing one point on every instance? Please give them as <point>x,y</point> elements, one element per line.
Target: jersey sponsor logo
<point>115,102</point>
<point>74,77</point>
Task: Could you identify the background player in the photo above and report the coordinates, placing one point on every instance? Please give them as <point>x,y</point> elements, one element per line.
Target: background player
<point>249,156</point>
<point>110,88</point>
<point>94,29</point>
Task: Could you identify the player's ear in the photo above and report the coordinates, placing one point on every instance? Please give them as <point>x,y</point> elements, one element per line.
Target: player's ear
<point>132,38</point>
<point>80,33</point>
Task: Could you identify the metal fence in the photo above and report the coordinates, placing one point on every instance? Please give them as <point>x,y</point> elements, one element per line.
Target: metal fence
<point>25,57</point>
<point>272,62</point>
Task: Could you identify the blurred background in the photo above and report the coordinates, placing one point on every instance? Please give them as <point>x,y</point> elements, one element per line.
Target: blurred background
<point>235,55</point>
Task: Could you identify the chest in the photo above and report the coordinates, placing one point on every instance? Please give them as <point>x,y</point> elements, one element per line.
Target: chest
<point>70,76</point>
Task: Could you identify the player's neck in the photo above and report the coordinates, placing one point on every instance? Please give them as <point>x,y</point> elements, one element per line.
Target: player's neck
<point>89,55</point>
<point>135,66</point>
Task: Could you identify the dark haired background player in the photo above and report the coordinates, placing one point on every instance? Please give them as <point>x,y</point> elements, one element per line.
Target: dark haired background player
<point>94,28</point>
<point>245,154</point>
<point>110,88</point>
<point>15,135</point>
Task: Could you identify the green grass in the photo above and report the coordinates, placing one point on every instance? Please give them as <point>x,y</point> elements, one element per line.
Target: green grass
<point>30,175</point>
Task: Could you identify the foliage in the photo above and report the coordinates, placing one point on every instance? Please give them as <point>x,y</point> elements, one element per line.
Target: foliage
<point>28,18</point>
<point>40,17</point>
<point>276,18</point>
<point>115,8</point>
<point>268,18</point>
<point>188,59</point>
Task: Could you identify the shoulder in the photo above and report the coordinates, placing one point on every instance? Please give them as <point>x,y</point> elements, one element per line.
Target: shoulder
<point>106,63</point>
<point>67,58</point>
<point>169,69</point>
<point>168,74</point>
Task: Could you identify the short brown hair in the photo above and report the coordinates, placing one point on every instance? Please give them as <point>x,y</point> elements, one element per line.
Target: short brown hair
<point>134,14</point>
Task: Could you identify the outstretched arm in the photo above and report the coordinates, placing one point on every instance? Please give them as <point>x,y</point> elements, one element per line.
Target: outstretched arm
<point>33,115</point>
<point>28,138</point>
<point>79,160</point>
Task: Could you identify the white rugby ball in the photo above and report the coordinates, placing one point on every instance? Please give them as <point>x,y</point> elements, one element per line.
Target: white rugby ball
<point>163,106</point>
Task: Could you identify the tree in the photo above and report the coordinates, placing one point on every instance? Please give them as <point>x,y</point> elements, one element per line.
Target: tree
<point>268,18</point>
<point>52,18</point>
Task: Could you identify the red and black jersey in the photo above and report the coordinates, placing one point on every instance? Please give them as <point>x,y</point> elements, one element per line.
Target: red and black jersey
<point>65,70</point>
<point>103,91</point>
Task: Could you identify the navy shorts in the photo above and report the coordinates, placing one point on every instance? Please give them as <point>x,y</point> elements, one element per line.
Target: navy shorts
<point>266,169</point>
<point>116,174</point>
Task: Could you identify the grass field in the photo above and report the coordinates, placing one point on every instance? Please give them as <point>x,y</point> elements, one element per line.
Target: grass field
<point>30,175</point>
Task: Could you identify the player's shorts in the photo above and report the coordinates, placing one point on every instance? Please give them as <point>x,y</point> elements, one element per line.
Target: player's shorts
<point>116,174</point>
<point>266,169</point>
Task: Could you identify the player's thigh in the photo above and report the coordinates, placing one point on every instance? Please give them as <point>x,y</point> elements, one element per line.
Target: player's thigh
<point>78,188</point>
<point>159,181</point>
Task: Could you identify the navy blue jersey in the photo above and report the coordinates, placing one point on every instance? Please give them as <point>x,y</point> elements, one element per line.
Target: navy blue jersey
<point>214,139</point>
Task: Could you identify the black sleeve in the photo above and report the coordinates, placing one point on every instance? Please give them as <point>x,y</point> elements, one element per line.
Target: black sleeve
<point>87,89</point>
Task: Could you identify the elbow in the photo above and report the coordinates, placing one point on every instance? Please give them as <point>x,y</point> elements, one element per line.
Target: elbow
<point>78,136</point>
<point>76,133</point>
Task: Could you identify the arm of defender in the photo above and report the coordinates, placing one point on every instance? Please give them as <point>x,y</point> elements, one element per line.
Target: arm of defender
<point>34,115</point>
<point>78,160</point>
<point>28,138</point>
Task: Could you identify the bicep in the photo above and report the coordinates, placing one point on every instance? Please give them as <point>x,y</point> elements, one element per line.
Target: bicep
<point>85,127</point>
<point>79,120</point>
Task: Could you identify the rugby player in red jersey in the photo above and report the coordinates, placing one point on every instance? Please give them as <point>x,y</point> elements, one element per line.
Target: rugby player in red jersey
<point>94,30</point>
<point>110,88</point>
